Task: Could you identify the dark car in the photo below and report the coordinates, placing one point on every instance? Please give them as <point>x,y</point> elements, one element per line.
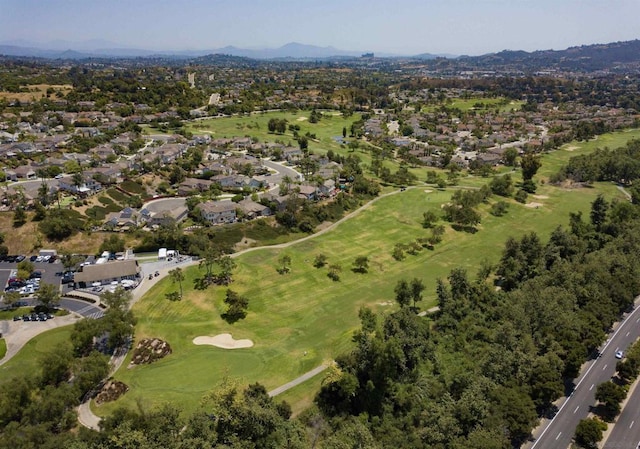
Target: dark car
<point>52,259</point>
<point>26,317</point>
<point>33,258</point>
<point>17,318</point>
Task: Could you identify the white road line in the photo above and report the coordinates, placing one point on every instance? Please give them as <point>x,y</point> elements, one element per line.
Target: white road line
<point>631,425</point>
<point>574,412</point>
<point>591,387</point>
<point>627,334</point>
<point>604,367</point>
<point>558,436</point>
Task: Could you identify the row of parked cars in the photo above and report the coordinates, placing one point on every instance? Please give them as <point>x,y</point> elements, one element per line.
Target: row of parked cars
<point>12,259</point>
<point>49,259</point>
<point>33,317</point>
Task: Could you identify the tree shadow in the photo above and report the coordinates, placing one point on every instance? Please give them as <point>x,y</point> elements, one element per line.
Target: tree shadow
<point>464,228</point>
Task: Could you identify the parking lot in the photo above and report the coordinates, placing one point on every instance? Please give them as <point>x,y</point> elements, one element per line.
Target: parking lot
<point>48,271</point>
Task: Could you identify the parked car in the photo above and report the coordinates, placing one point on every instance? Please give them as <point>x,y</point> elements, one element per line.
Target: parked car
<point>20,258</point>
<point>33,258</point>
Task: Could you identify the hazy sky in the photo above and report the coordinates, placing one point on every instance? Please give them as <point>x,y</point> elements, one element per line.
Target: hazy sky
<point>398,26</point>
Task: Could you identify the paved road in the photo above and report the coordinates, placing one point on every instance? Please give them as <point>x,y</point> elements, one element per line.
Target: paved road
<point>31,186</point>
<point>626,432</point>
<point>558,433</point>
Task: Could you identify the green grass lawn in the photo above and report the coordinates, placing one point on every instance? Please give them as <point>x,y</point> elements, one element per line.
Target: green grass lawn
<point>256,125</point>
<point>3,348</point>
<point>304,311</point>
<point>26,361</point>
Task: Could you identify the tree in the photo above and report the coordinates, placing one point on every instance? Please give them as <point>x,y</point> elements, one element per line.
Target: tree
<point>429,218</point>
<point>10,298</point>
<point>177,275</point>
<point>25,268</point>
<point>284,266</point>
<point>113,244</point>
<point>499,209</point>
<point>334,272</point>
<point>237,306</point>
<point>509,156</point>
<point>598,215</point>
<point>530,164</point>
<point>19,217</point>
<point>344,132</point>
<point>589,432</point>
<point>611,395</point>
<point>502,185</point>
<point>403,293</point>
<point>361,264</point>
<point>320,261</point>
<point>227,265</point>
<point>521,196</point>
<point>417,287</point>
<point>48,294</point>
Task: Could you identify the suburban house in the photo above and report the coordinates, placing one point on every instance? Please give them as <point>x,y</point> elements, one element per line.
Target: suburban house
<point>88,186</point>
<point>126,218</point>
<point>107,272</point>
<point>306,191</point>
<point>164,217</point>
<point>218,212</point>
<point>21,172</point>
<point>252,209</point>
<point>190,185</point>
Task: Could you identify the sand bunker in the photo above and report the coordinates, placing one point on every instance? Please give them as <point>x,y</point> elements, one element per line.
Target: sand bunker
<point>428,191</point>
<point>541,197</point>
<point>224,341</point>
<point>571,148</point>
<point>534,205</point>
<point>301,119</point>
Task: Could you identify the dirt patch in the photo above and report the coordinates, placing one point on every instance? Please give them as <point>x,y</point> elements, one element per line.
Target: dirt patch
<point>540,197</point>
<point>385,303</point>
<point>149,350</point>
<point>224,341</point>
<point>323,225</point>
<point>428,191</point>
<point>244,244</point>
<point>301,119</point>
<point>534,205</point>
<point>111,391</point>
<point>571,148</point>
<point>36,92</point>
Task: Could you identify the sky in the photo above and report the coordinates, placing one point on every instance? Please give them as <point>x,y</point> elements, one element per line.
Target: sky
<point>405,27</point>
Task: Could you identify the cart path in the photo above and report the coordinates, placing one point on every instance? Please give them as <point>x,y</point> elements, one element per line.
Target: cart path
<point>297,381</point>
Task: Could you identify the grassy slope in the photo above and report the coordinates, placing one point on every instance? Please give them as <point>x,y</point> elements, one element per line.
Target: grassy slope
<point>26,361</point>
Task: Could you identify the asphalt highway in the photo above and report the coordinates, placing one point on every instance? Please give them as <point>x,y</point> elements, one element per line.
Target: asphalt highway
<point>558,433</point>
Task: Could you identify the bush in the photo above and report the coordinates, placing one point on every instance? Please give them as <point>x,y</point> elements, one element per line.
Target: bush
<point>521,196</point>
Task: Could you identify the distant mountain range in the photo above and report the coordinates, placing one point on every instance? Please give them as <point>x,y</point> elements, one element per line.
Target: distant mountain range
<point>104,49</point>
<point>624,56</point>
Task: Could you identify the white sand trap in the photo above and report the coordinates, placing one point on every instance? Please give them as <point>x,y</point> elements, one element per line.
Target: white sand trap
<point>571,148</point>
<point>534,205</point>
<point>224,341</point>
<point>301,119</point>
<point>541,197</point>
<point>385,303</point>
<point>428,191</point>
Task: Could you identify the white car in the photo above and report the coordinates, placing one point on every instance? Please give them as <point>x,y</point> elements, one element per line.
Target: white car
<point>619,354</point>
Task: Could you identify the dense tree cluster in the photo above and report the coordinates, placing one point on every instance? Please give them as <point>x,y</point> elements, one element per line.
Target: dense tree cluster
<point>620,165</point>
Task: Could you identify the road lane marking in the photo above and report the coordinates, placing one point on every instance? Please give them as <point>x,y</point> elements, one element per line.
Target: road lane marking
<point>574,412</point>
<point>558,436</point>
<point>631,425</point>
<point>583,377</point>
<point>604,367</point>
<point>627,334</point>
<point>591,387</point>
